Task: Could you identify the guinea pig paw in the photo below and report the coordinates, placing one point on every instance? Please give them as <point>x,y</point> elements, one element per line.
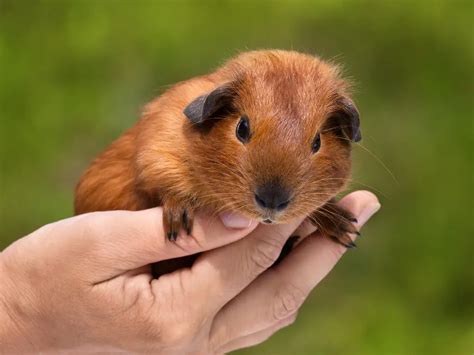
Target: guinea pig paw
<point>175,218</point>
<point>187,221</point>
<point>336,223</point>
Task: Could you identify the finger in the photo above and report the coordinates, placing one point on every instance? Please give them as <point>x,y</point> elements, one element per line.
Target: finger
<point>126,240</point>
<point>320,253</point>
<point>305,229</point>
<point>280,291</point>
<point>231,268</point>
<point>256,338</point>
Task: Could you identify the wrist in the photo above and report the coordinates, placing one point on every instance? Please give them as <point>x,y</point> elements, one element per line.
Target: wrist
<point>17,333</point>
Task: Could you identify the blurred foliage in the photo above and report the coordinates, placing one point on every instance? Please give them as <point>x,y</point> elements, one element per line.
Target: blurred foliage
<point>74,75</point>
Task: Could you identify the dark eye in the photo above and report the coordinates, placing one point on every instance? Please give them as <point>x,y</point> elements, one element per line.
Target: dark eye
<point>316,143</point>
<point>243,129</point>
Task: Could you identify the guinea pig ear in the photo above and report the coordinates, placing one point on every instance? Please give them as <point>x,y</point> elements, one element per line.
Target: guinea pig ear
<point>214,105</point>
<point>348,117</point>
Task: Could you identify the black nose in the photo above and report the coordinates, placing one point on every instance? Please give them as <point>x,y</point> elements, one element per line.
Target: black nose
<point>272,196</point>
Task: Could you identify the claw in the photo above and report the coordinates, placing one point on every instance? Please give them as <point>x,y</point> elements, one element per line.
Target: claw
<point>350,245</point>
<point>172,236</point>
<point>176,217</point>
<point>187,226</point>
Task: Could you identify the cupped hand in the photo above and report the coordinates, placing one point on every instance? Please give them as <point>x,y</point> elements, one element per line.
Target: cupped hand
<point>85,282</point>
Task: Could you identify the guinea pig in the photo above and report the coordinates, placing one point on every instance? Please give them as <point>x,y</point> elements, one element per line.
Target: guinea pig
<point>267,135</point>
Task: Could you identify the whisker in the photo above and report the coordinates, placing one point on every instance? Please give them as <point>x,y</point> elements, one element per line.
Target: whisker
<point>392,175</point>
<point>380,162</point>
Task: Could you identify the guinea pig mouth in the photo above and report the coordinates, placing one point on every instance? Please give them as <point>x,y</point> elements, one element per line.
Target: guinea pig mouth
<point>270,217</point>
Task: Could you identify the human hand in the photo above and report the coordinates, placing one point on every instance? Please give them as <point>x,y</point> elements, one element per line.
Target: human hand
<point>85,282</point>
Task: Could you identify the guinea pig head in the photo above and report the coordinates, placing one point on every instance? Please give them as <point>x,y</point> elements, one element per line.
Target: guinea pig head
<point>274,141</point>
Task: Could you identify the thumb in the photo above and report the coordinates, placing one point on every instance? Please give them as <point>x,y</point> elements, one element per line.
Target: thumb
<point>125,240</point>
<point>235,221</point>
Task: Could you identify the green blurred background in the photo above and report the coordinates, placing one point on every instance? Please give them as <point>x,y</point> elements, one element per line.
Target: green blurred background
<point>74,75</point>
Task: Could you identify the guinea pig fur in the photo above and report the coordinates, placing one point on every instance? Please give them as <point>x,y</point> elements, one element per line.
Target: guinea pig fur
<point>267,135</point>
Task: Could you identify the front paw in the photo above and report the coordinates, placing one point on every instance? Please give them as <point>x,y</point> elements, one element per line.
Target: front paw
<point>336,223</point>
<point>176,217</point>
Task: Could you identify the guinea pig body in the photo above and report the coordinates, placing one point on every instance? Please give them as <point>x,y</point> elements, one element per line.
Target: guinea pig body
<point>267,135</point>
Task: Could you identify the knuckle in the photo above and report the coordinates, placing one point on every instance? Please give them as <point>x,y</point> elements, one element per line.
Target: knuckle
<point>178,326</point>
<point>287,302</point>
<point>146,328</point>
<point>290,320</point>
<point>286,322</point>
<point>265,253</point>
<point>177,334</point>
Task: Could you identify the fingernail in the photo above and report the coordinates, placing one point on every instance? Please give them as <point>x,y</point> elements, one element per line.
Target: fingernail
<point>368,212</point>
<point>235,221</point>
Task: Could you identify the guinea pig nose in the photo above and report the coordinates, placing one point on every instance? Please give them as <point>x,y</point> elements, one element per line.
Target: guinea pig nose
<point>272,196</point>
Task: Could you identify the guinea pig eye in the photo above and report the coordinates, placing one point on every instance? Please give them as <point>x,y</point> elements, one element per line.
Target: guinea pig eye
<point>242,130</point>
<point>316,143</point>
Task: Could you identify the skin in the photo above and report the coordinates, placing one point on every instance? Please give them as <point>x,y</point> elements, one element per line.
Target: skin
<point>84,283</point>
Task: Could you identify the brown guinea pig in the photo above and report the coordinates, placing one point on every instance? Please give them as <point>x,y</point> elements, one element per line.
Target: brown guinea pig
<point>267,135</point>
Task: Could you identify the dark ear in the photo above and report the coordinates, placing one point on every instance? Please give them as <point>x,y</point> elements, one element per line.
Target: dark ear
<point>214,105</point>
<point>348,117</point>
